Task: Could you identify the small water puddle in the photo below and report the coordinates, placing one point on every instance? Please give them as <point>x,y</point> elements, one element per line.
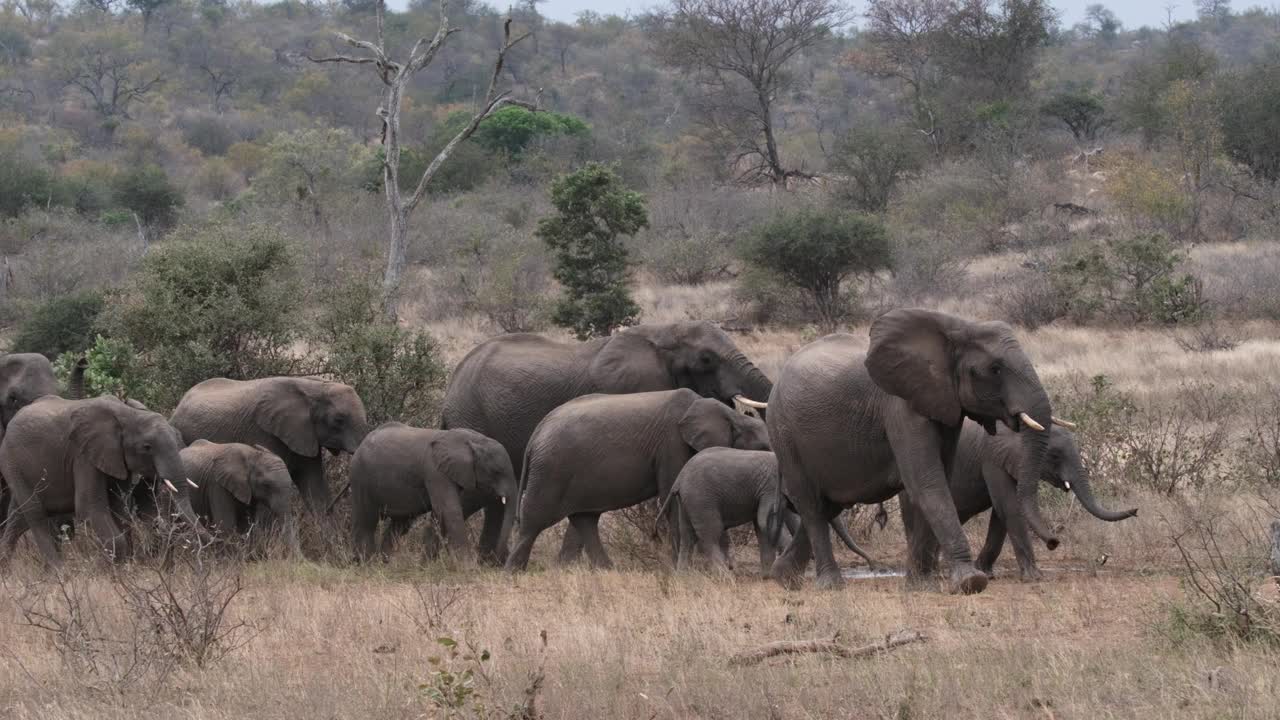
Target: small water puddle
<point>866,573</point>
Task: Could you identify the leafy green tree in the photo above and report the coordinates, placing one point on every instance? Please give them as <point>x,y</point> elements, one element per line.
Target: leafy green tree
<point>1082,113</point>
<point>60,325</point>
<point>146,191</point>
<point>817,251</point>
<point>593,210</point>
<point>876,159</point>
<point>217,301</point>
<point>1134,277</point>
<point>513,129</point>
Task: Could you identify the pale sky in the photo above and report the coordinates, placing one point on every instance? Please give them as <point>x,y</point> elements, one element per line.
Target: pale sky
<point>1133,13</point>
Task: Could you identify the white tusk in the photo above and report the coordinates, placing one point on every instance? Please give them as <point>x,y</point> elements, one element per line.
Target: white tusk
<point>170,485</point>
<point>1030,422</point>
<point>504,500</point>
<point>751,403</point>
<point>1067,483</point>
<point>192,484</point>
<point>1064,423</point>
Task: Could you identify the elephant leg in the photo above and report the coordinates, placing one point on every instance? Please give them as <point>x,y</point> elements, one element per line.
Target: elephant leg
<point>922,545</point>
<point>996,534</point>
<point>571,546</point>
<point>431,540</point>
<point>26,513</point>
<point>588,524</point>
<point>789,568</point>
<point>14,527</point>
<point>533,521</point>
<point>491,549</point>
<point>685,541</point>
<point>391,534</point>
<point>308,475</point>
<point>768,552</point>
<point>364,527</point>
<point>708,527</point>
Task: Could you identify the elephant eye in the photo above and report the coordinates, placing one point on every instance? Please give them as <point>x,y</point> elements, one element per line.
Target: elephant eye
<point>996,368</point>
<point>146,447</point>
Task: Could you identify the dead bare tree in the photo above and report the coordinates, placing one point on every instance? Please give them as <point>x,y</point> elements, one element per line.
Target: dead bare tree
<point>396,77</point>
<point>738,50</point>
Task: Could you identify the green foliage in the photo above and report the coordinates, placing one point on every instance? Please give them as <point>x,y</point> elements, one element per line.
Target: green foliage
<point>61,324</point>
<point>114,369</point>
<point>398,372</point>
<point>876,159</point>
<point>1133,277</point>
<point>308,165</point>
<point>817,250</point>
<point>1248,99</point>
<point>208,134</point>
<point>468,166</point>
<point>216,301</point>
<point>1145,83</point>
<point>513,129</point>
<point>146,190</point>
<point>1082,112</point>
<point>24,180</point>
<point>592,210</point>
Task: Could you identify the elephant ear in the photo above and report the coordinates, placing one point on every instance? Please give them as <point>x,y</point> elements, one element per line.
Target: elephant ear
<point>630,362</point>
<point>285,412</point>
<point>97,436</point>
<point>231,470</point>
<point>455,458</point>
<point>910,357</point>
<point>706,425</point>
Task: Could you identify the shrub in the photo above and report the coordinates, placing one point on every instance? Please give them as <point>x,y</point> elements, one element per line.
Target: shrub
<point>208,134</point>
<point>1082,113</point>
<point>59,325</point>
<point>875,161</point>
<point>1149,194</point>
<point>85,187</point>
<point>146,191</point>
<point>592,210</point>
<point>397,372</point>
<point>513,129</point>
<point>817,251</point>
<point>218,301</point>
<point>692,260</point>
<point>509,286</point>
<point>1250,125</point>
<point>1134,277</point>
<point>24,180</point>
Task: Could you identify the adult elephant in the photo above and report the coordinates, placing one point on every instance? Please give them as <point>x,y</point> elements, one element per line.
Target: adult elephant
<point>241,489</point>
<point>986,477</point>
<point>842,423</point>
<point>64,457</point>
<point>608,452</point>
<point>505,386</point>
<point>401,472</point>
<point>23,378</point>
<point>295,418</point>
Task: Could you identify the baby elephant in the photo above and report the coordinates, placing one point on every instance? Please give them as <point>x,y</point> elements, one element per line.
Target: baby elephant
<point>608,452</point>
<point>241,487</point>
<point>722,488</point>
<point>400,473</point>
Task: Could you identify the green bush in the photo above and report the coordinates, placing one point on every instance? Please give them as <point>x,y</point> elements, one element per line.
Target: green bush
<point>23,180</point>
<point>114,369</point>
<point>217,301</point>
<point>817,251</point>
<point>146,190</point>
<point>397,372</point>
<point>60,325</point>
<point>875,160</point>
<point>592,210</point>
<point>513,129</point>
<point>1133,278</point>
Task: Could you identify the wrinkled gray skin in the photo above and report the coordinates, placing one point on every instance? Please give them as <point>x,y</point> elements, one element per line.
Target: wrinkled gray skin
<point>607,452</point>
<point>23,378</point>
<point>65,457</point>
<point>844,424</point>
<point>242,489</point>
<point>722,488</point>
<point>401,472</point>
<point>983,479</point>
<point>295,418</point>
<point>505,386</point>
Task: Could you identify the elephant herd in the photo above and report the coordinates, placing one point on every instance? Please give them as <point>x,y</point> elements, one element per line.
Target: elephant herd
<point>946,414</point>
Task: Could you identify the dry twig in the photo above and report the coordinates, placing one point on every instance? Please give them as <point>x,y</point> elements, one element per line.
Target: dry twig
<point>831,647</point>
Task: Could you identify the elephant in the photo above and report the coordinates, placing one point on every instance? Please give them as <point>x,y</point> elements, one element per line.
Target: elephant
<point>845,425</point>
<point>983,478</point>
<point>607,452</point>
<point>295,418</point>
<point>402,472</point>
<point>23,378</point>
<point>69,456</point>
<point>241,488</point>
<point>722,488</point>
<point>506,385</point>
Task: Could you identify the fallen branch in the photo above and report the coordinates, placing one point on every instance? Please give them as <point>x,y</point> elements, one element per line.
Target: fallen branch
<point>831,647</point>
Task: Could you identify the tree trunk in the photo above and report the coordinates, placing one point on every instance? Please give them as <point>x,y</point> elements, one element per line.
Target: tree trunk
<point>770,143</point>
<point>1275,548</point>
<point>396,260</point>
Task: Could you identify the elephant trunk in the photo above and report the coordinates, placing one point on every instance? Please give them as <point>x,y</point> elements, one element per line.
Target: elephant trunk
<point>75,386</point>
<point>1035,445</point>
<point>746,382</point>
<point>1079,483</point>
<point>171,473</point>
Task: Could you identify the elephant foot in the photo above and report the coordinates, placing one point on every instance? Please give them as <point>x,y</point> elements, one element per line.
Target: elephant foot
<point>830,581</point>
<point>987,569</point>
<point>787,576</point>
<point>1032,574</point>
<point>967,580</point>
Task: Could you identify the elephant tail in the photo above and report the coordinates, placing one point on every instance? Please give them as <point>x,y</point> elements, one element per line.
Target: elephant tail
<point>522,484</point>
<point>779,509</point>
<point>662,512</point>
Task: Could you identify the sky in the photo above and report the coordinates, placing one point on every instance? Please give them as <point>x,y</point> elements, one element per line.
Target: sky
<point>1133,13</point>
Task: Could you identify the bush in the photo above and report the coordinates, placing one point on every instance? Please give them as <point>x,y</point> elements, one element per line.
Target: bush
<point>85,187</point>
<point>218,301</point>
<point>24,180</point>
<point>146,191</point>
<point>513,129</point>
<point>1082,113</point>
<point>592,210</point>
<point>397,372</point>
<point>1132,277</point>
<point>509,285</point>
<point>817,251</point>
<point>1250,126</point>
<point>60,325</point>
<point>875,161</point>
<point>208,134</point>
<point>693,260</point>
